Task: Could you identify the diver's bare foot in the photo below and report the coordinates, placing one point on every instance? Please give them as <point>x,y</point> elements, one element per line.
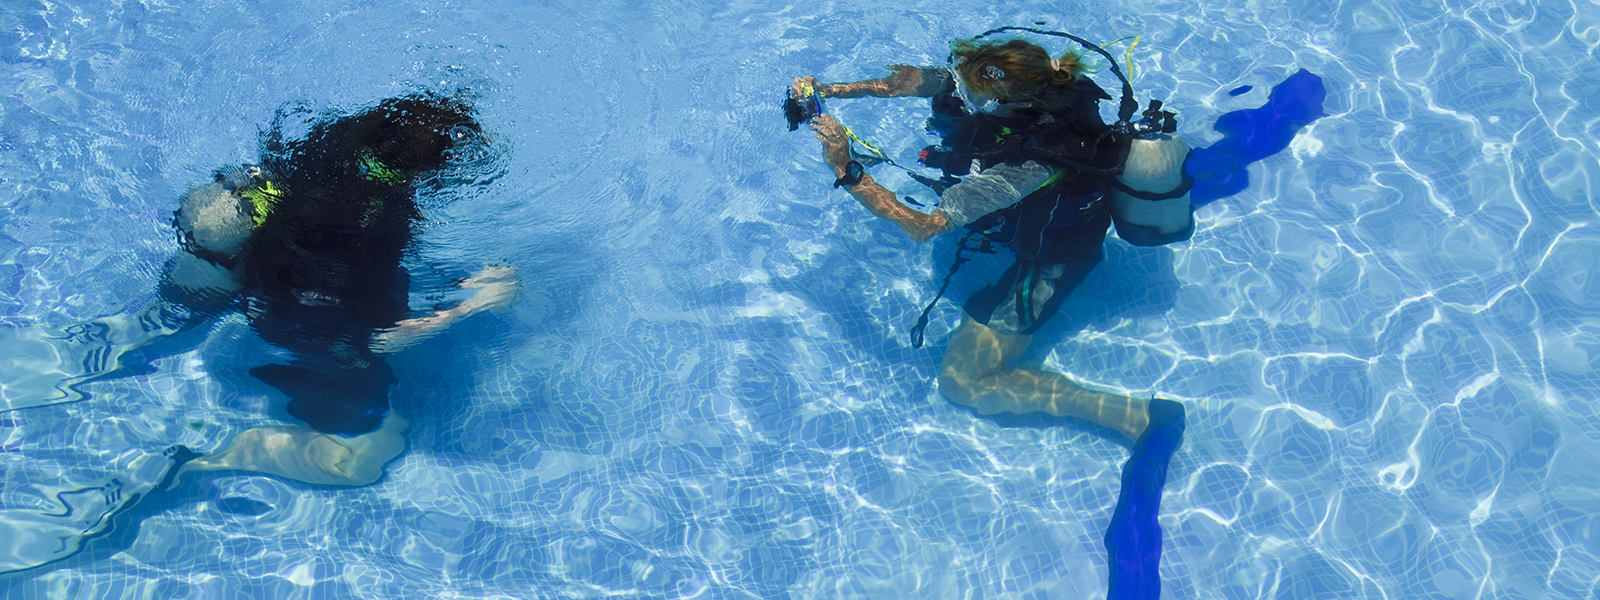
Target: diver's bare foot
<point>307,455</point>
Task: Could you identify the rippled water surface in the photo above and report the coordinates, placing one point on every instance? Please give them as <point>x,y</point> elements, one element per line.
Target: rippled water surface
<point>1389,345</point>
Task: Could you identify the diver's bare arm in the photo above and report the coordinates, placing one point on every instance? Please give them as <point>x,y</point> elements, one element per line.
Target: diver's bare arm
<point>883,203</point>
<point>906,80</point>
<point>496,287</point>
<point>879,201</point>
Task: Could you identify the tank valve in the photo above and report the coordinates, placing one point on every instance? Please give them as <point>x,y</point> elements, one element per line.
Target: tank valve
<point>1155,121</point>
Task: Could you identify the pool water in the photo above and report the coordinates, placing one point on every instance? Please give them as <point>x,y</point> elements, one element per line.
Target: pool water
<point>1388,344</point>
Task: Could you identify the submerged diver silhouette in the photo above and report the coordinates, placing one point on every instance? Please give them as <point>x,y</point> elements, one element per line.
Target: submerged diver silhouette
<point>308,246</point>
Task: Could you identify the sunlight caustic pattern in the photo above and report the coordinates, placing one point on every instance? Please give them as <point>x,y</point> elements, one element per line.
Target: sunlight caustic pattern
<point>1388,344</point>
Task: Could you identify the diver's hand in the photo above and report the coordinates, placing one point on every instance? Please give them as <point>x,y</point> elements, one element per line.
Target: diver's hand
<point>835,142</point>
<point>798,86</point>
<point>497,287</point>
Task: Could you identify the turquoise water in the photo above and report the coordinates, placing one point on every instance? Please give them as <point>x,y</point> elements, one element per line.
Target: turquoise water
<point>1388,344</point>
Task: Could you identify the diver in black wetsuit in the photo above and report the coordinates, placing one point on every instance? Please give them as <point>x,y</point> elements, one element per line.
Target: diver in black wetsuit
<point>1037,171</point>
<point>309,245</point>
<point>322,270</point>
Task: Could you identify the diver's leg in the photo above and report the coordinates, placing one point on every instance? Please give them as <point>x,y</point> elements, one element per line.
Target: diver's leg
<point>307,455</point>
<point>974,370</point>
<point>39,368</point>
<point>973,374</point>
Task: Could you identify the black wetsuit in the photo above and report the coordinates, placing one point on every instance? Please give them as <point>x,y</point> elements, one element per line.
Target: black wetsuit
<point>1062,224</point>
<point>328,219</point>
<point>321,277</point>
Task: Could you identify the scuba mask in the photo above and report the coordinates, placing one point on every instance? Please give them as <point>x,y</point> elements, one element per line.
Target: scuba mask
<point>970,97</point>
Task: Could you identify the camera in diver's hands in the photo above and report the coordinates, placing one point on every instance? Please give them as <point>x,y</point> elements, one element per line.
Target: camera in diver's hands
<point>803,104</point>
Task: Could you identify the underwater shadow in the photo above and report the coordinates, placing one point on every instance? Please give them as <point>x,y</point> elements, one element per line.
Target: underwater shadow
<point>1131,282</point>
<point>436,376</point>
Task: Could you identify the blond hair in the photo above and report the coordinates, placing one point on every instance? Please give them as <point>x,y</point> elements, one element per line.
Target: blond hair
<point>1013,70</point>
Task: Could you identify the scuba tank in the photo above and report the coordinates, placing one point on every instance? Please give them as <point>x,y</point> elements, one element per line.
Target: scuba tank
<point>1150,205</point>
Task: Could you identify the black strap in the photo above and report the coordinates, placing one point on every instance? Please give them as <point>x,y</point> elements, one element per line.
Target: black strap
<point>961,248</point>
<point>1183,188</point>
<point>1016,150</point>
<point>1129,105</point>
<point>1024,291</point>
<point>852,174</point>
<point>937,185</point>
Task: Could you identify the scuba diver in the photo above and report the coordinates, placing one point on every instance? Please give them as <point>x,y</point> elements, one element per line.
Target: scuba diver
<point>1028,163</point>
<point>308,245</point>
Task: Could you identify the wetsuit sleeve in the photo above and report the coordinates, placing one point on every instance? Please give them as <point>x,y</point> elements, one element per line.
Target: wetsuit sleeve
<point>993,189</point>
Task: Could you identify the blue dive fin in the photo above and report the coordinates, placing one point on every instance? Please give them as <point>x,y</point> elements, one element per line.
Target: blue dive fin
<point>1253,134</point>
<point>1133,540</point>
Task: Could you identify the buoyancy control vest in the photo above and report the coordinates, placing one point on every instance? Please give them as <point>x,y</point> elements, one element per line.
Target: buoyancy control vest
<point>1141,167</point>
<point>1069,136</point>
<point>333,240</point>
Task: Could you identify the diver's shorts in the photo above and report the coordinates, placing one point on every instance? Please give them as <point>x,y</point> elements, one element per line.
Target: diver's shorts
<point>1075,252</point>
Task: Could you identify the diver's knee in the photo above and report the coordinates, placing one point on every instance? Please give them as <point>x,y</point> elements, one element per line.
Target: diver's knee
<point>956,386</point>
